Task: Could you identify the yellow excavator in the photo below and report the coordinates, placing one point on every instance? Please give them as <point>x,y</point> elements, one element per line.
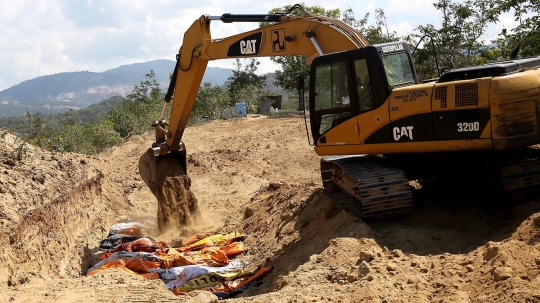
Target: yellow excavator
<point>374,124</point>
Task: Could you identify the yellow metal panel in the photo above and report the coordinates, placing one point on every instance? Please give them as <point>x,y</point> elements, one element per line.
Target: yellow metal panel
<point>514,101</point>
<point>408,147</point>
<point>409,100</point>
<point>515,87</point>
<point>329,39</point>
<point>371,121</point>
<point>514,119</point>
<point>483,91</point>
<point>440,96</point>
<point>344,133</point>
<point>486,134</point>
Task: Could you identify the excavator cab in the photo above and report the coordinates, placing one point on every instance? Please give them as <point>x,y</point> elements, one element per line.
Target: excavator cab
<point>347,84</point>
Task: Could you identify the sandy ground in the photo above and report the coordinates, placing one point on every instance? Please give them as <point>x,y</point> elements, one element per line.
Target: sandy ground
<point>259,175</point>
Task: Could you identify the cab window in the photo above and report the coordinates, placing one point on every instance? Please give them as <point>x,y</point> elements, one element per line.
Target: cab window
<point>332,98</point>
<point>363,85</point>
<point>398,69</point>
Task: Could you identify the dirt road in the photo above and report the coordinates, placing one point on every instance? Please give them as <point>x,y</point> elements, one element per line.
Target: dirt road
<point>259,175</point>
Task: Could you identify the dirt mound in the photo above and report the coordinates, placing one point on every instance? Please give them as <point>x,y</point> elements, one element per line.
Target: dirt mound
<point>260,176</point>
<point>51,205</point>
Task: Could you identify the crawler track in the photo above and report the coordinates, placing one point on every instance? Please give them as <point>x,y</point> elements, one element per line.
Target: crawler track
<point>519,174</point>
<point>367,186</point>
<point>371,188</point>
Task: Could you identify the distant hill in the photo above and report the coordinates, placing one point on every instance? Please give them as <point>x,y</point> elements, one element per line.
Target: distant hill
<point>75,90</point>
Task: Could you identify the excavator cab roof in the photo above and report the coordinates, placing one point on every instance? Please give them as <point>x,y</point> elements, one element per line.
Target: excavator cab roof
<point>490,69</point>
<point>391,47</point>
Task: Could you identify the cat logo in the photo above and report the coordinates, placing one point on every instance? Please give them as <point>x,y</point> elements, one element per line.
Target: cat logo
<point>248,47</point>
<point>403,131</point>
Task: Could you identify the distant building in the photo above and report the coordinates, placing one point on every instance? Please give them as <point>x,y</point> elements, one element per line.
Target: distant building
<point>270,101</point>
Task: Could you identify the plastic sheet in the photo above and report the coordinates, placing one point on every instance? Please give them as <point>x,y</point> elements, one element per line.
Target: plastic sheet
<point>192,271</point>
<point>129,228</point>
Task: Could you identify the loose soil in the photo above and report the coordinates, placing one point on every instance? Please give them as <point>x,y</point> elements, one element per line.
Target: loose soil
<point>257,175</point>
<point>177,205</point>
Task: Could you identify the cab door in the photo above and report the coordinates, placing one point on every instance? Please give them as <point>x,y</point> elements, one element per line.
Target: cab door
<point>370,98</point>
<point>333,106</point>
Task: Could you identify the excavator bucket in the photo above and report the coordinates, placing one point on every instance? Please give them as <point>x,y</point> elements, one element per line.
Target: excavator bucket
<point>170,165</point>
<point>147,168</point>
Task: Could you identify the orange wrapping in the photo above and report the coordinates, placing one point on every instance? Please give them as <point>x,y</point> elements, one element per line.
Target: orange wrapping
<point>233,248</point>
<point>229,286</point>
<point>170,261</point>
<point>105,256</point>
<point>137,265</point>
<point>142,244</point>
<point>229,250</point>
<point>212,258</point>
<point>194,238</point>
<point>150,276</point>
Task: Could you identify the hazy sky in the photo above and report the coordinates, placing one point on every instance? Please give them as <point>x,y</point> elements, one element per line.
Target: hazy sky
<point>42,37</point>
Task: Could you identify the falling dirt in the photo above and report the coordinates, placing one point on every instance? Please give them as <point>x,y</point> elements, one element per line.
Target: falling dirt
<point>258,175</point>
<point>177,205</point>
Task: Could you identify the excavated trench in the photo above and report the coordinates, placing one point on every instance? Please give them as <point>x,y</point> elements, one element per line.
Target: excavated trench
<point>50,235</point>
<point>293,227</point>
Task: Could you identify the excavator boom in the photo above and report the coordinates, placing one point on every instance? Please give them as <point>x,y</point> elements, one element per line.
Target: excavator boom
<point>286,35</point>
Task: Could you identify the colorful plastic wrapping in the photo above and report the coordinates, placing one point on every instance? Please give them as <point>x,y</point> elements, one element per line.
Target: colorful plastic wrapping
<point>203,261</point>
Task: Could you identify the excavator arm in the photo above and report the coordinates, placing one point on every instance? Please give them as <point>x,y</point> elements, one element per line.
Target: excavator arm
<point>287,35</point>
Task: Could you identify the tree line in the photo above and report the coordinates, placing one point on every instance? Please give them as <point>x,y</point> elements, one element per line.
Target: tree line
<point>456,42</point>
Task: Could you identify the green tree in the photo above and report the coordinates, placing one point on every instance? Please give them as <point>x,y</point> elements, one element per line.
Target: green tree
<point>349,18</point>
<point>31,132</point>
<point>71,133</point>
<point>211,100</point>
<point>378,32</point>
<point>243,78</point>
<point>220,99</point>
<point>249,94</point>
<point>203,102</point>
<point>139,108</point>
<point>458,40</point>
<point>82,137</point>
<point>291,66</point>
<point>527,33</point>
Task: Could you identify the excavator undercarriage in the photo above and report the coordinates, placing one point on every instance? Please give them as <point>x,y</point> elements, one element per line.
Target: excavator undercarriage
<point>367,186</point>
<point>377,188</point>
